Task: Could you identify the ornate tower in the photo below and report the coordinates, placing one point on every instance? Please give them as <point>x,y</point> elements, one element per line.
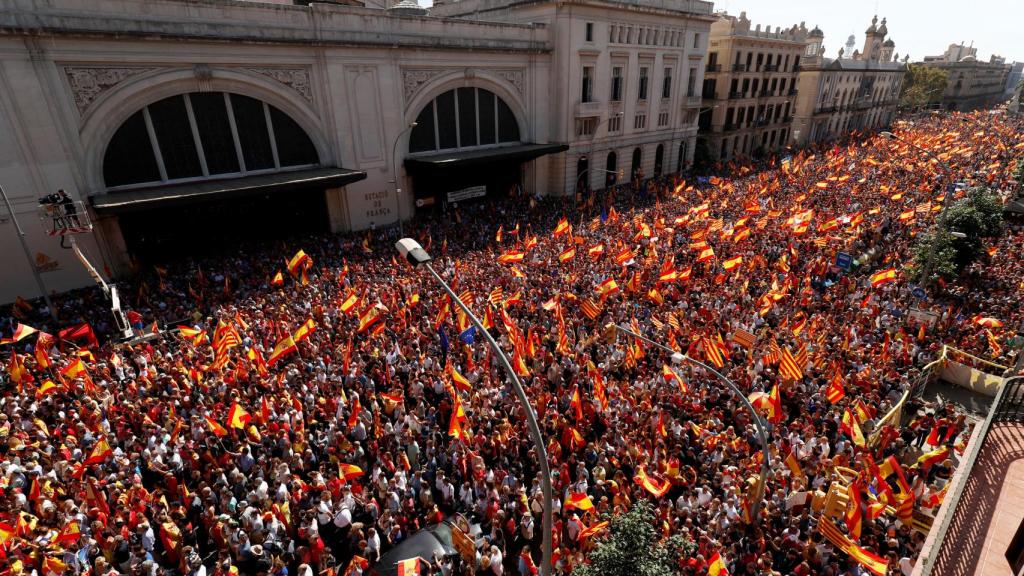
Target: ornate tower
<point>873,37</point>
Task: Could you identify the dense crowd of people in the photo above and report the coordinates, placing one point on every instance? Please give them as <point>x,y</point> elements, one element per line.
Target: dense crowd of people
<point>314,410</point>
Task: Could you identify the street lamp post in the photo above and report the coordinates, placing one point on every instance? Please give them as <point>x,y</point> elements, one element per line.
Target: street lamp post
<point>417,256</point>
<point>394,167</point>
<point>762,434</point>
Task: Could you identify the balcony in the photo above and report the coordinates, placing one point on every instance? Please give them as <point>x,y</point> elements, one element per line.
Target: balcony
<point>796,68</point>
<point>692,101</point>
<point>713,68</point>
<point>584,109</point>
<point>826,109</point>
<point>770,68</point>
<point>739,67</point>
<point>730,127</point>
<point>764,93</point>
<point>792,92</point>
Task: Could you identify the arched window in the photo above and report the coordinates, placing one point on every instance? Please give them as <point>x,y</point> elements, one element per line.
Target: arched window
<point>582,166</point>
<point>611,166</point>
<point>635,169</point>
<point>463,118</point>
<point>659,153</point>
<point>203,135</point>
<point>682,156</point>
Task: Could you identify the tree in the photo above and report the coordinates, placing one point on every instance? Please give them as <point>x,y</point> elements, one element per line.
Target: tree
<point>632,547</point>
<point>956,240</point>
<point>922,85</point>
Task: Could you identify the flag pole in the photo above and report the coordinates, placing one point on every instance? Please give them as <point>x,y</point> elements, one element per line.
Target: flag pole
<point>28,255</point>
<point>762,434</point>
<point>416,256</point>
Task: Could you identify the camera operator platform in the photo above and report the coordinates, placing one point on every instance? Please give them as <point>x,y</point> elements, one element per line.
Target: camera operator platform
<point>62,216</point>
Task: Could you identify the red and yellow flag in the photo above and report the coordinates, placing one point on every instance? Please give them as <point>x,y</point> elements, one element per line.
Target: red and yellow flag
<point>578,501</point>
<point>283,348</point>
<point>238,417</point>
<point>655,486</point>
<point>100,452</point>
<point>716,566</point>
<point>883,277</point>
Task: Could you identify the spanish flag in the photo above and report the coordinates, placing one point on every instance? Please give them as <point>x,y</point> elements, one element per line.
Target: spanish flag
<point>370,316</point>
<point>595,251</point>
<point>460,381</point>
<point>607,288</point>
<point>591,530</point>
<point>732,263</point>
<point>349,303</point>
<point>20,332</point>
<point>562,227</point>
<point>716,566</point>
<point>656,487</point>
<point>216,428</point>
<point>74,370</point>
<point>511,257</point>
<point>298,263</point>
<point>69,534</point>
<point>238,417</point>
<point>567,255</point>
<point>410,567</point>
<point>349,471</point>
<point>304,331</point>
<point>578,501</point>
<point>706,254</point>
<point>283,348</point>
<point>47,387</point>
<point>851,428</point>
<point>933,457</point>
<point>883,277</point>
<point>278,279</point>
<point>100,452</point>
<point>793,464</point>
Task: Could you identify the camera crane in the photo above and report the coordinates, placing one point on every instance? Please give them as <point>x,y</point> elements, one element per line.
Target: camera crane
<point>64,217</point>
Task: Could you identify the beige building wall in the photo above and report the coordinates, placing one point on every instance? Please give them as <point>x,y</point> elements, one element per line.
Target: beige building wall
<point>750,87</point>
<point>855,91</point>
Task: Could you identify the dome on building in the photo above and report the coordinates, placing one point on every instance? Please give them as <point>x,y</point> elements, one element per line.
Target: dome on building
<point>873,28</point>
<point>816,33</point>
<point>889,43</point>
<point>882,29</point>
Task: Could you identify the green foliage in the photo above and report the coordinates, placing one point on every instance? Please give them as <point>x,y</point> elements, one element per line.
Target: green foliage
<point>977,216</point>
<point>1019,174</point>
<point>922,85</point>
<point>632,547</point>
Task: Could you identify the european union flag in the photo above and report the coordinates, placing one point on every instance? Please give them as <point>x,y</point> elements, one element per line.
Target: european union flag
<point>444,338</point>
<point>468,335</point>
<point>604,215</point>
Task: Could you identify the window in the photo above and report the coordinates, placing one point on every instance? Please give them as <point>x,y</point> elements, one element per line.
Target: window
<point>639,121</point>
<point>636,171</point>
<point>691,83</point>
<point>662,119</point>
<point>642,88</point>
<point>588,84</point>
<point>616,84</point>
<point>696,40</point>
<point>585,126</point>
<point>615,124</point>
<point>199,135</point>
<point>666,84</point>
<point>659,154</point>
<point>590,31</point>
<point>463,118</point>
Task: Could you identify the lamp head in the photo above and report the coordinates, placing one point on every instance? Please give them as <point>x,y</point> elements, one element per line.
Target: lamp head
<point>887,134</point>
<point>413,252</point>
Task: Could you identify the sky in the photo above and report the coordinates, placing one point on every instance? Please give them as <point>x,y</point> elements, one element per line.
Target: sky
<point>918,27</point>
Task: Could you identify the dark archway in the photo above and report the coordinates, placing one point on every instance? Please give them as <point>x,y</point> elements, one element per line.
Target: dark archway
<point>611,165</point>
<point>681,160</point>
<point>659,155</point>
<point>634,170</point>
<point>582,167</point>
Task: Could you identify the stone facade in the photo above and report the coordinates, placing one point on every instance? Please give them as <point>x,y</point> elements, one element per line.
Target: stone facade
<point>626,82</point>
<point>972,84</point>
<point>750,87</point>
<point>855,91</point>
<point>352,77</point>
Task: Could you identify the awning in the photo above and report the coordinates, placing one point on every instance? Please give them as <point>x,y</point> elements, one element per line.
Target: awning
<point>461,159</point>
<point>179,194</point>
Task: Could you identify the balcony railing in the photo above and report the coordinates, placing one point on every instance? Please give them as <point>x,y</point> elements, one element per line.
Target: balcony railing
<point>735,95</point>
<point>792,92</point>
<point>692,100</point>
<point>713,68</point>
<point>770,68</point>
<point>825,109</point>
<point>730,127</point>
<point>739,67</point>
<point>764,93</point>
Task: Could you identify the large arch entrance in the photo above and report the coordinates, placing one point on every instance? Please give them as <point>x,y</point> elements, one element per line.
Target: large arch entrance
<point>205,171</point>
<point>466,145</point>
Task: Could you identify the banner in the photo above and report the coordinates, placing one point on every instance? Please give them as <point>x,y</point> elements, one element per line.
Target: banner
<point>467,193</point>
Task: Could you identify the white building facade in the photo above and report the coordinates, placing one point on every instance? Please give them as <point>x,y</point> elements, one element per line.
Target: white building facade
<point>187,126</point>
